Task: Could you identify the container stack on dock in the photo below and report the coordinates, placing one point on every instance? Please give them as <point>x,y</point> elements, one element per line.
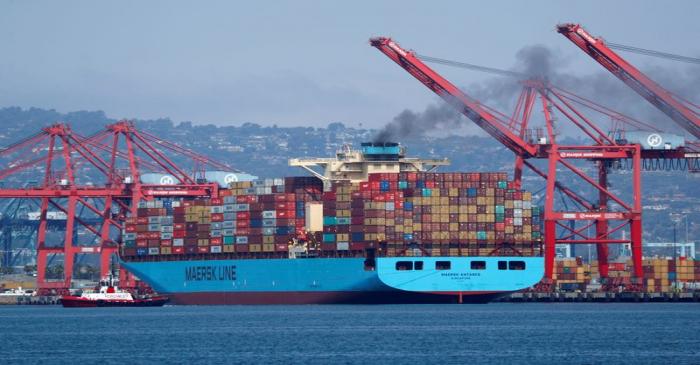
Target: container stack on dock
<point>465,214</point>
<point>659,273</point>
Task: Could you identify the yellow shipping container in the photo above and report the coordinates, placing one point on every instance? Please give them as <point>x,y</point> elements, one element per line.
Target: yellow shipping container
<point>255,248</point>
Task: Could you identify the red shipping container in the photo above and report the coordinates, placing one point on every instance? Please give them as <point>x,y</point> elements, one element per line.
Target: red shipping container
<point>365,186</point>
<point>225,193</point>
<point>357,246</point>
<point>203,249</point>
<point>142,220</point>
<point>241,248</point>
<point>215,240</point>
<point>242,223</point>
<point>286,214</point>
<point>187,203</point>
<point>178,226</point>
<point>166,242</point>
<point>242,215</point>
<point>283,206</point>
<point>281,247</point>
<point>153,235</point>
<point>178,250</point>
<point>242,231</point>
<point>375,185</point>
<point>179,234</point>
<point>217,217</point>
<point>142,242</point>
<point>280,197</point>
<point>216,201</point>
<point>130,228</point>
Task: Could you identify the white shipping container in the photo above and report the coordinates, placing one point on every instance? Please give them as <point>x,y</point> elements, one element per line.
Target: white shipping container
<point>314,217</point>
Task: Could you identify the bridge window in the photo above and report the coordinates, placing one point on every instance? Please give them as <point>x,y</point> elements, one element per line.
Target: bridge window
<point>478,265</point>
<point>516,265</point>
<point>503,265</point>
<point>443,265</point>
<point>404,265</point>
<point>418,265</point>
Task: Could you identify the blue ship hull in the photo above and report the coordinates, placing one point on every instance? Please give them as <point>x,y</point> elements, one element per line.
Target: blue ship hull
<point>338,280</point>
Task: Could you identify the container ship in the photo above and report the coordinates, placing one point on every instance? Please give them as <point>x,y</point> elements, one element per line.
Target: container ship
<point>367,226</point>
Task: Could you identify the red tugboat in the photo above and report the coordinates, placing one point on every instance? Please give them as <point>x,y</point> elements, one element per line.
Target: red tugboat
<point>109,295</point>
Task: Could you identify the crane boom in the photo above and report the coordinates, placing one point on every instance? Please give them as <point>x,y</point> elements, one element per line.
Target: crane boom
<point>452,95</point>
<point>630,75</point>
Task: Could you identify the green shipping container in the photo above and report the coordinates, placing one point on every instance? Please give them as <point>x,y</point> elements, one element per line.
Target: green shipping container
<point>329,221</point>
<point>229,240</point>
<point>329,237</point>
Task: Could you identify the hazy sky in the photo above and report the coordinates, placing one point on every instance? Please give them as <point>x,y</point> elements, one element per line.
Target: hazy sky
<point>294,62</point>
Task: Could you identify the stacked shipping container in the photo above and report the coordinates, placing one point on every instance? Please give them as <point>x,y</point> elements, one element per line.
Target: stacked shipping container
<point>659,274</point>
<point>398,213</point>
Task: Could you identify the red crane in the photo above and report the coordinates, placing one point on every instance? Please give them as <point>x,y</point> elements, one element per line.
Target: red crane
<point>679,110</point>
<point>609,214</point>
<point>112,193</point>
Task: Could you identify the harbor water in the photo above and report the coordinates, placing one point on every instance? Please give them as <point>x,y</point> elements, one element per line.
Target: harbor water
<point>574,333</point>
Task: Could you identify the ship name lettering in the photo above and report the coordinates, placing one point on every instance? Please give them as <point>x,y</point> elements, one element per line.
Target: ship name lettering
<point>210,273</point>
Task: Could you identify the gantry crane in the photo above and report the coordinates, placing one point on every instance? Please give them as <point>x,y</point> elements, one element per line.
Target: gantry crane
<point>681,111</point>
<point>111,194</point>
<point>610,213</point>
